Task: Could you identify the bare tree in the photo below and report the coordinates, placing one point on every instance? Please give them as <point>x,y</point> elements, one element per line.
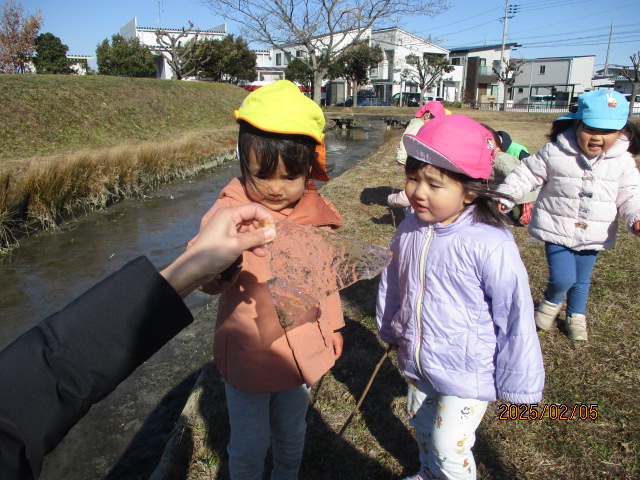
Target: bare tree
<point>633,75</point>
<point>427,70</point>
<point>17,37</point>
<point>507,76</point>
<point>178,52</point>
<point>324,28</point>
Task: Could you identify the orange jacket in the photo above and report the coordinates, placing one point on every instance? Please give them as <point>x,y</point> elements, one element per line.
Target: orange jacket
<point>251,350</point>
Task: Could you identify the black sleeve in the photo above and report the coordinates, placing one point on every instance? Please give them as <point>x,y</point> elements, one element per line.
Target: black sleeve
<point>52,374</point>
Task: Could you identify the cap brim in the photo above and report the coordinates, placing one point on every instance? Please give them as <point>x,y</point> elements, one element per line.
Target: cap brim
<point>605,123</point>
<point>568,116</point>
<point>420,151</point>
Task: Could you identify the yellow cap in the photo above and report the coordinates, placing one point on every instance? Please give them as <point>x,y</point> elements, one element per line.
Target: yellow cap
<point>280,107</point>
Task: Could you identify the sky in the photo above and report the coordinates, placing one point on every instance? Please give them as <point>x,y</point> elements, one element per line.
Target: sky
<point>543,28</point>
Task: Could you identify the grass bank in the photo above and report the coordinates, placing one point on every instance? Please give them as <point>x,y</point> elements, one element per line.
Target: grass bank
<point>379,443</point>
<point>72,143</point>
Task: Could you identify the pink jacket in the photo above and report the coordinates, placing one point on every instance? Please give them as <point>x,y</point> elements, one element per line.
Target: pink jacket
<point>251,350</point>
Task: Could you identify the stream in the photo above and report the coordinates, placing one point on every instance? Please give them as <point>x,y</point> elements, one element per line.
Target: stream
<point>123,436</point>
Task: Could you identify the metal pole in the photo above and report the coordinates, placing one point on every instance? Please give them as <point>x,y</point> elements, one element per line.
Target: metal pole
<point>606,60</point>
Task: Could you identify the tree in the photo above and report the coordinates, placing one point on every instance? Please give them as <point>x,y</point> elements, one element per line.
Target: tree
<point>633,75</point>
<point>356,62</point>
<point>17,37</point>
<point>298,71</point>
<point>51,55</point>
<point>228,60</point>
<point>507,76</point>
<point>324,28</point>
<point>124,58</point>
<point>178,52</point>
<point>427,70</point>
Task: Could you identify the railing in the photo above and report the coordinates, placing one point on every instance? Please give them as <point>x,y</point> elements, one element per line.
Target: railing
<point>536,107</point>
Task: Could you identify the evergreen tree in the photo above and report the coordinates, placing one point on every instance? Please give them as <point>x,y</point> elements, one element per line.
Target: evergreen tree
<point>124,58</point>
<point>51,55</point>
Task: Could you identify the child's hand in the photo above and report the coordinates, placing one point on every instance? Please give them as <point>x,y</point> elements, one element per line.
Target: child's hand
<point>338,342</point>
<point>637,227</point>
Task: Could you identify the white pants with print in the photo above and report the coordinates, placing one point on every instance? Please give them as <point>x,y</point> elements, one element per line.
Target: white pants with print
<point>445,429</point>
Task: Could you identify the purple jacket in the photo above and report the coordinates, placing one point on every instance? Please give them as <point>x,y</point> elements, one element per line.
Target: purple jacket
<point>456,300</point>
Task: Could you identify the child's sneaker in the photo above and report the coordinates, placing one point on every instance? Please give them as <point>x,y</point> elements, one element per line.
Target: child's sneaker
<point>577,327</point>
<point>546,314</point>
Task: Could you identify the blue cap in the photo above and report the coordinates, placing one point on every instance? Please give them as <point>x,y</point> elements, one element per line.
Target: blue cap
<point>606,109</point>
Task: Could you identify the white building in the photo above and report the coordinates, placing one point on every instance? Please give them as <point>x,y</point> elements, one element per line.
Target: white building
<point>559,79</point>
<point>385,78</point>
<point>147,36</point>
<point>397,44</point>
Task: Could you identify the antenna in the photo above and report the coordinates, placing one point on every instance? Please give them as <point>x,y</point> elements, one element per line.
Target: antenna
<point>160,10</point>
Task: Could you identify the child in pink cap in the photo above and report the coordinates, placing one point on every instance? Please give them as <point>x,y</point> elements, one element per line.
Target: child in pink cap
<point>429,110</point>
<point>455,300</point>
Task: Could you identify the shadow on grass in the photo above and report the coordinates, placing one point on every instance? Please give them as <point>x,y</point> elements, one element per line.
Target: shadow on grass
<point>145,450</point>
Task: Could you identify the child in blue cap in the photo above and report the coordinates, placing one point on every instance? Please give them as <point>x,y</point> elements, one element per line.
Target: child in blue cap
<point>588,177</point>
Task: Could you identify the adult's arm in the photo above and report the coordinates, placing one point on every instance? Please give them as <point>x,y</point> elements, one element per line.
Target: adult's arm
<point>52,374</point>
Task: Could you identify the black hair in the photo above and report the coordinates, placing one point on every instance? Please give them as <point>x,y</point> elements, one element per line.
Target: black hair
<point>496,136</point>
<point>486,210</point>
<point>630,130</point>
<point>298,153</point>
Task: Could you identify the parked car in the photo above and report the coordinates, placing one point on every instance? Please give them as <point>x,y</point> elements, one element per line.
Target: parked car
<point>364,102</point>
<point>437,99</point>
<point>409,99</point>
<point>535,101</point>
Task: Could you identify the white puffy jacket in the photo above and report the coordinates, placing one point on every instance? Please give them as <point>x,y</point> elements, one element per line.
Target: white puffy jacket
<point>580,197</point>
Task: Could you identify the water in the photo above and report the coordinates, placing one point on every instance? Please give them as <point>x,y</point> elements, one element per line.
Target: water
<point>123,436</point>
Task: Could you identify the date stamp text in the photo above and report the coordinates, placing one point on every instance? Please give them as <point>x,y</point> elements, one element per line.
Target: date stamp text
<point>554,411</point>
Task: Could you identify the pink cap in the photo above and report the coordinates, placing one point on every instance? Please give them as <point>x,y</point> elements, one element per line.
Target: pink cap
<point>434,108</point>
<point>456,143</point>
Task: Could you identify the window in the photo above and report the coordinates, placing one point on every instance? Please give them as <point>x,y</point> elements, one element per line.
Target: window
<point>278,59</point>
<point>299,53</point>
<point>455,61</point>
<point>520,90</point>
<point>542,69</point>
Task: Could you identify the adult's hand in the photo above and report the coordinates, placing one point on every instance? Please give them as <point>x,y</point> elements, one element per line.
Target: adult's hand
<point>227,234</point>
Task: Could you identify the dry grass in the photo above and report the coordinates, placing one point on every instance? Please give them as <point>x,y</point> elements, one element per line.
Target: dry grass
<point>47,189</point>
<point>379,444</point>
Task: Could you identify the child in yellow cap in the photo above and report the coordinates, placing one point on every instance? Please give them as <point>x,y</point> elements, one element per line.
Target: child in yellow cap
<point>280,149</point>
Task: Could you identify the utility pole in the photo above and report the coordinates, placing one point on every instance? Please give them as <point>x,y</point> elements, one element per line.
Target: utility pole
<point>606,60</point>
<point>501,88</point>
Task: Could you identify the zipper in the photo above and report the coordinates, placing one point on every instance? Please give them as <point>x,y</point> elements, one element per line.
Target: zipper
<point>423,257</point>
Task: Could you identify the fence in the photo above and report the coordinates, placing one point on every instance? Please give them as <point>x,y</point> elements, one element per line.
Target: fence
<point>538,107</point>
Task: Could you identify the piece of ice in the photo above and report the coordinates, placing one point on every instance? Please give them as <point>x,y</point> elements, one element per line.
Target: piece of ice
<point>309,263</point>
